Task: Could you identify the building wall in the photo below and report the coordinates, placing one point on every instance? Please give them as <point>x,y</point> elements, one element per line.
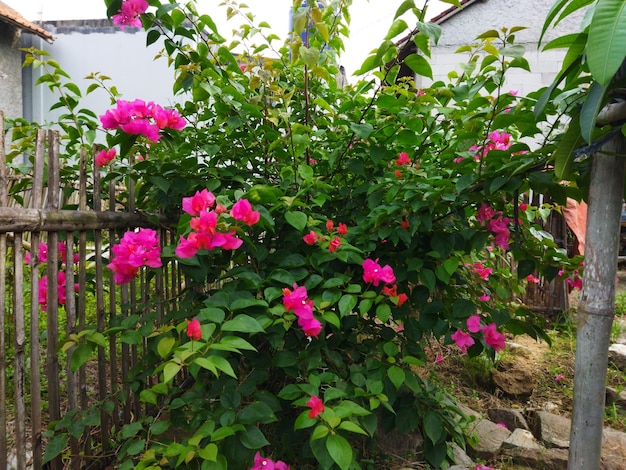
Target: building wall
<point>83,47</point>
<point>10,71</point>
<point>465,26</point>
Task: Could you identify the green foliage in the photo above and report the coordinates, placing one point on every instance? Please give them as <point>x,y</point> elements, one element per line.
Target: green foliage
<point>309,155</point>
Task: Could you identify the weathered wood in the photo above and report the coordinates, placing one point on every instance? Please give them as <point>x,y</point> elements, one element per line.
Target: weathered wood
<point>16,219</point>
<point>3,287</point>
<point>19,354</point>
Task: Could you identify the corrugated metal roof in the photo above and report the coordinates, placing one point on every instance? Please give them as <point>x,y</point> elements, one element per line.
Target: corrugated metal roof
<point>9,15</point>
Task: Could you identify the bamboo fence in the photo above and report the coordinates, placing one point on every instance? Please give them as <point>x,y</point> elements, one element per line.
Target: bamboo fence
<point>37,386</point>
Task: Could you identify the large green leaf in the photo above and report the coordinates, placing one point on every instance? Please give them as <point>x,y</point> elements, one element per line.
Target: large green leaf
<point>340,450</point>
<point>556,8</point>
<point>564,154</point>
<point>606,46</point>
<point>590,110</point>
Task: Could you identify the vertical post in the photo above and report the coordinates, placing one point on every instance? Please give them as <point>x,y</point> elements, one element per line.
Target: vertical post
<point>596,309</point>
<point>19,352</point>
<point>3,257</point>
<point>35,358</point>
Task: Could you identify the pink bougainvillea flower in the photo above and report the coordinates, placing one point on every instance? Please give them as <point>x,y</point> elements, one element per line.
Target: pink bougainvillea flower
<point>135,249</point>
<point>199,202</point>
<point>463,340</point>
<point>403,159</point>
<point>500,228</point>
<point>263,463</point>
<point>484,298</point>
<point>61,290</point>
<point>493,337</point>
<point>205,223</point>
<point>531,278</point>
<point>398,174</point>
<point>404,224</point>
<point>374,273</point>
<point>342,229</point>
<point>481,270</point>
<point>402,298</point>
<point>485,213</point>
<point>242,211</point>
<point>194,330</point>
<point>317,406</point>
<point>310,325</point>
<point>335,243</point>
<point>330,225</point>
<point>104,157</point>
<point>297,301</point>
<point>522,207</point>
<point>439,359</point>
<point>473,324</point>
<point>128,14</point>
<point>310,238</point>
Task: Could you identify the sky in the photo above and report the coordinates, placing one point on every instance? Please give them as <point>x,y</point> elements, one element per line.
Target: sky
<point>371,19</point>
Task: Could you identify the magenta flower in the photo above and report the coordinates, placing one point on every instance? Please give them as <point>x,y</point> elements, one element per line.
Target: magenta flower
<point>310,238</point>
<point>135,249</point>
<point>194,330</point>
<point>317,406</point>
<point>61,290</point>
<point>403,159</point>
<point>500,228</point>
<point>199,202</point>
<point>463,340</point>
<point>128,14</point>
<point>104,157</point>
<point>335,243</point>
<point>473,324</point>
<point>263,463</point>
<point>493,337</point>
<point>298,302</point>
<point>374,273</point>
<point>242,210</point>
<point>485,213</point>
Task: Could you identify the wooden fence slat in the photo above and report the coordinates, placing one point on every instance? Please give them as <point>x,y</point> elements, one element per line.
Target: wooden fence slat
<point>3,286</point>
<point>19,354</point>
<point>35,357</point>
<point>113,292</point>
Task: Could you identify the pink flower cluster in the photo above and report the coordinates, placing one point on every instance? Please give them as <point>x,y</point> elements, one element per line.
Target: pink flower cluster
<point>135,249</point>
<point>334,243</point>
<point>317,406</point>
<point>496,223</point>
<point>263,463</point>
<point>495,141</point>
<point>104,157</point>
<point>492,336</point>
<point>205,234</point>
<point>61,290</point>
<point>140,118</point>
<point>374,273</point>
<point>480,270</point>
<point>128,14</point>
<point>298,302</point>
<point>61,276</point>
<point>574,280</point>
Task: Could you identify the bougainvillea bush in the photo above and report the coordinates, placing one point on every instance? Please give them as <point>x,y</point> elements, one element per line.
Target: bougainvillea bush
<point>327,235</point>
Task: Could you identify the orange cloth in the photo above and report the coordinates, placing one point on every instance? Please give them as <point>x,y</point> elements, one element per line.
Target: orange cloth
<point>575,214</point>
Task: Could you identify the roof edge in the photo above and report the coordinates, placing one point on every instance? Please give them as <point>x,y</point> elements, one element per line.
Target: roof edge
<point>9,15</point>
<point>450,12</point>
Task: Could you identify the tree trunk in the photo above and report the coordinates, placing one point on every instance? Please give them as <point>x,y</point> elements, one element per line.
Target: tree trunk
<point>597,304</point>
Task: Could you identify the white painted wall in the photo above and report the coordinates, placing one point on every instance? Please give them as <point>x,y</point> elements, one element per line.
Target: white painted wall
<point>465,26</point>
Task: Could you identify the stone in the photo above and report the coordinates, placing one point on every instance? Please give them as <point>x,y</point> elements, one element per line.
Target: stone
<point>517,349</point>
<point>613,450</point>
<point>610,396</point>
<point>490,437</point>
<point>620,400</point>
<point>617,356</point>
<point>514,381</point>
<point>552,430</point>
<point>513,419</point>
<point>537,458</point>
<point>521,438</point>
<point>460,457</point>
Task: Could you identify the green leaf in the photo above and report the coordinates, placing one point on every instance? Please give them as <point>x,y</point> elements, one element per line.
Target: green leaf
<point>591,108</point>
<point>352,427</point>
<point>346,304</point>
<point>310,55</point>
<point>296,219</point>
<point>80,355</point>
<point>243,324</point>
<point>433,428</point>
<point>253,438</point>
<point>396,375</point>
<point>165,346</point>
<point>244,304</point>
<point>256,412</point>
<point>399,26</point>
<point>383,312</point>
<point>564,154</point>
<point>55,447</point>
<point>556,8</point>
<point>607,37</point>
<point>362,131</point>
<point>340,450</point>
<point>419,65</point>
<point>319,432</point>
<point>170,370</point>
